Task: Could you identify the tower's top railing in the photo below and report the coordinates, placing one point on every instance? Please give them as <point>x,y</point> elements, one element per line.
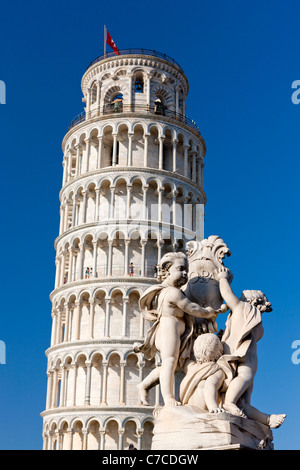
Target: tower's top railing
<point>147,52</point>
<point>110,110</point>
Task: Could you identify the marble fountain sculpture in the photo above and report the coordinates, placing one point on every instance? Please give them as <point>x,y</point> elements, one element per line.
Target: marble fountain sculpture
<point>213,409</point>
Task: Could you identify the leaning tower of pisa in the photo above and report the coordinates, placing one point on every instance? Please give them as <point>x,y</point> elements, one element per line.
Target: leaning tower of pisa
<point>132,190</point>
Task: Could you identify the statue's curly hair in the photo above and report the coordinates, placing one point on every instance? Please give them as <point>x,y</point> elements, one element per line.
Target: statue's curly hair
<point>166,261</point>
<point>207,347</point>
<point>252,296</point>
<point>258,299</point>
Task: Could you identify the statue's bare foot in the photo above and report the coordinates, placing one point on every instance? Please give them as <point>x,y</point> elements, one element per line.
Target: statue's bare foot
<point>275,421</point>
<point>233,409</point>
<point>172,402</point>
<point>217,410</point>
<point>144,395</point>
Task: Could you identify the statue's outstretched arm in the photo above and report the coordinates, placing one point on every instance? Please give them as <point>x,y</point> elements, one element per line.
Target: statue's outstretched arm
<point>226,292</point>
<point>181,301</point>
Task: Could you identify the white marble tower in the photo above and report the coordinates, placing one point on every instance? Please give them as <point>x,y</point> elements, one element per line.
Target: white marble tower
<point>132,190</point>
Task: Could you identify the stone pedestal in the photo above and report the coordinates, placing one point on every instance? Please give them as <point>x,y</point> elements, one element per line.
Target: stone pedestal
<point>186,428</point>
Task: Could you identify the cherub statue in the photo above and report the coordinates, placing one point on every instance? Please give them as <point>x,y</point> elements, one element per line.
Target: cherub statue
<point>171,333</point>
<point>204,377</point>
<point>243,330</point>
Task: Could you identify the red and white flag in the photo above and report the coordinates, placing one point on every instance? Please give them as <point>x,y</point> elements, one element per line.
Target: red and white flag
<point>111,43</point>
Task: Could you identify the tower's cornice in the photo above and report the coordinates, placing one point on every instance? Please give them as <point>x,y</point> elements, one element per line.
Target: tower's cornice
<point>90,345</point>
<point>128,170</point>
<point>99,281</point>
<point>89,410</point>
<point>179,121</point>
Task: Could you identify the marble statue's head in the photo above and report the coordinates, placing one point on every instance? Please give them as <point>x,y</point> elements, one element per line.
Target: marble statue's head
<point>258,299</point>
<point>207,348</point>
<point>173,267</point>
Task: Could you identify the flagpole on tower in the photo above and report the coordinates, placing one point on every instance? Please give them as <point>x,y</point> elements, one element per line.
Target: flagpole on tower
<point>105,37</point>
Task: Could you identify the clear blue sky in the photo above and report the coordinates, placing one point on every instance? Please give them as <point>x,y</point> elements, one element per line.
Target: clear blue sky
<point>241,58</point>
